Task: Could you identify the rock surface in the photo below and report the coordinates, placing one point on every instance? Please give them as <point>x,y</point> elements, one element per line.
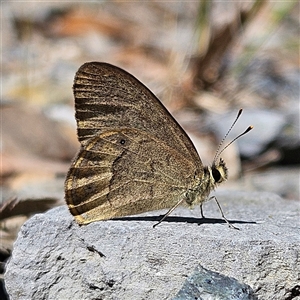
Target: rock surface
<point>54,258</point>
<point>208,285</point>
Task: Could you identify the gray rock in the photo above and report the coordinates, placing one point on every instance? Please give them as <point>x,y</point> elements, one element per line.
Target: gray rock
<point>204,284</point>
<point>54,258</point>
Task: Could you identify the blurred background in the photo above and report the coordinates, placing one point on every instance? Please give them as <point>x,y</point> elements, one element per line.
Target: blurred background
<point>203,59</point>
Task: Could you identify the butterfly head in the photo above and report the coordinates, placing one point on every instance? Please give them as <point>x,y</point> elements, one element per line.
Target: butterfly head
<point>219,172</point>
<point>203,185</point>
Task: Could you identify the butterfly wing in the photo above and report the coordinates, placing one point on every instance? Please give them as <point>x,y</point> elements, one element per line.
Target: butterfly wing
<point>125,172</point>
<point>152,170</point>
<point>107,97</point>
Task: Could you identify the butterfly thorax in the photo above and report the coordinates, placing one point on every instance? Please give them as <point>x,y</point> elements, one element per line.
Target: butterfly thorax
<point>203,185</point>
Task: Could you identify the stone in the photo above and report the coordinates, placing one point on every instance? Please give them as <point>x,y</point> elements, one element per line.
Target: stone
<point>204,284</point>
<point>54,258</point>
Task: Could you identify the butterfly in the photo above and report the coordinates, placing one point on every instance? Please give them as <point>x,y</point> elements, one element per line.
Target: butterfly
<point>134,156</point>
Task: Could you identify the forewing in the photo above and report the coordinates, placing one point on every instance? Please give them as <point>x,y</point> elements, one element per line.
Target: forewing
<point>125,172</point>
<point>109,98</point>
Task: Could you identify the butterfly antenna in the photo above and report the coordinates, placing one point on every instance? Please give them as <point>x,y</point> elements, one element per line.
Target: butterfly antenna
<point>218,152</point>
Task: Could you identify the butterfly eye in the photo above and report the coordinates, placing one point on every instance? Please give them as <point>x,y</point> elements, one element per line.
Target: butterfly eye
<point>122,142</point>
<point>216,175</point>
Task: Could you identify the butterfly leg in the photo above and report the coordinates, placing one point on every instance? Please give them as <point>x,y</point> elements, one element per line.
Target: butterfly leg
<point>223,216</point>
<point>168,213</point>
<point>201,211</point>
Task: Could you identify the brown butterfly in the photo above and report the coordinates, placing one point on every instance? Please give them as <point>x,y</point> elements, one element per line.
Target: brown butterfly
<point>134,156</point>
